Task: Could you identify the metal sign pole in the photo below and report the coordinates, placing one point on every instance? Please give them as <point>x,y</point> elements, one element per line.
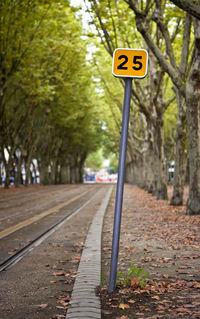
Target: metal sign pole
<point>120,185</point>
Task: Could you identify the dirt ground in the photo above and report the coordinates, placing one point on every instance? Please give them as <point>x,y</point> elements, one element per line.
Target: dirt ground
<point>163,241</point>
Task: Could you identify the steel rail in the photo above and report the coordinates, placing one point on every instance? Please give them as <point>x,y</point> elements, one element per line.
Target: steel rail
<point>29,192</point>
<point>12,260</point>
<point>35,218</point>
<point>41,205</point>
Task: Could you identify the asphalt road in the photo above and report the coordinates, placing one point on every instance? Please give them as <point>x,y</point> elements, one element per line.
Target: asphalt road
<point>40,285</point>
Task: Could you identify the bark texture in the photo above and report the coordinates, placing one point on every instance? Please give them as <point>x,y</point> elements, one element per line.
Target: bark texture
<point>193,118</point>
<point>180,158</point>
<point>191,6</point>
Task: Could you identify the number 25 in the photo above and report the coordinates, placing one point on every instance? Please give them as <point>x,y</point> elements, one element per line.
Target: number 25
<point>138,64</point>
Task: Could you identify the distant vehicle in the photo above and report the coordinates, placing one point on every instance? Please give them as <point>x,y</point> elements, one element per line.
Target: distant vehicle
<point>89,178</point>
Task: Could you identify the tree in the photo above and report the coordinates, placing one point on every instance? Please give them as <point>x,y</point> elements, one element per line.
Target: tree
<point>47,109</point>
<point>114,26</point>
<point>187,89</point>
<point>191,6</point>
<point>95,160</point>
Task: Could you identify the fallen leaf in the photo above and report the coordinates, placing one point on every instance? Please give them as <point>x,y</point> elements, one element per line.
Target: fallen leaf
<point>60,273</point>
<point>63,299</point>
<point>77,257</point>
<point>135,282</point>
<point>181,271</point>
<point>114,306</point>
<point>196,284</point>
<point>132,250</point>
<point>156,297</point>
<point>123,291</point>
<point>124,306</point>
<point>43,305</point>
<point>181,309</point>
<point>131,301</point>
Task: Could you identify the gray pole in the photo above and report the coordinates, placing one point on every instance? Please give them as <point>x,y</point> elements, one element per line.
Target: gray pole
<point>120,185</point>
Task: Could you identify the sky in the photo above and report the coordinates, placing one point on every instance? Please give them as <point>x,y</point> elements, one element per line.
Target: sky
<point>85,15</point>
<point>76,3</point>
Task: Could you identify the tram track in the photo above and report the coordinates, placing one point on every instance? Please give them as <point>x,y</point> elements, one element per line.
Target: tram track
<point>18,255</point>
<point>38,206</point>
<point>19,194</point>
<point>45,213</point>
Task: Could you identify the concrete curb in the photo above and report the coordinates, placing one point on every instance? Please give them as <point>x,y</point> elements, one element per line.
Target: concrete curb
<point>84,303</point>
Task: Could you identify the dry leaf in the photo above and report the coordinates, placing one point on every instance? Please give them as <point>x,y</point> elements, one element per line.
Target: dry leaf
<point>77,257</point>
<point>63,299</point>
<point>196,284</point>
<point>156,297</point>
<point>124,306</point>
<point>131,301</point>
<point>60,273</point>
<point>123,291</point>
<point>43,305</point>
<point>114,306</point>
<point>135,282</point>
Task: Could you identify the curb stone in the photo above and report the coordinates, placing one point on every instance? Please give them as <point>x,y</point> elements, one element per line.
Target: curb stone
<point>84,302</point>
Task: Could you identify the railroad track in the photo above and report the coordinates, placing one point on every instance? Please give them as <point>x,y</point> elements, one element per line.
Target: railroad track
<point>40,205</point>
<point>19,254</point>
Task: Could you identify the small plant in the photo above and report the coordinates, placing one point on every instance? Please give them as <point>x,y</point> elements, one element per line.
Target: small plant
<point>135,277</point>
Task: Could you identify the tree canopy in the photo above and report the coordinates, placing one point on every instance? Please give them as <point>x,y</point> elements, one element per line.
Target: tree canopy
<point>48,107</point>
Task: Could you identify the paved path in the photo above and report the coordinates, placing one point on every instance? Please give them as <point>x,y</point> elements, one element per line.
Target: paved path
<point>84,303</point>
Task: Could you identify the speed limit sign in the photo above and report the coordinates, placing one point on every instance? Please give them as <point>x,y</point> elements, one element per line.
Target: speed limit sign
<point>130,63</point>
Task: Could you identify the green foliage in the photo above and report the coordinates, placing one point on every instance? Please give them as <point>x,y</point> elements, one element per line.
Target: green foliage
<point>48,101</point>
<point>114,160</point>
<point>133,272</point>
<point>95,160</point>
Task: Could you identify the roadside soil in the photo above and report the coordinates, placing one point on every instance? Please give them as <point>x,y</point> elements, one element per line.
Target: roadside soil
<point>163,241</point>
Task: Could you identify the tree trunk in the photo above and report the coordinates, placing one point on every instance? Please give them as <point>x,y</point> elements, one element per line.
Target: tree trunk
<point>193,118</point>
<point>7,177</point>
<point>80,167</point>
<point>191,6</point>
<point>18,173</point>
<point>7,165</point>
<point>134,167</point>
<point>159,164</point>
<point>0,174</point>
<point>53,172</point>
<point>180,156</point>
<point>44,173</point>
<point>57,170</point>
<point>28,160</point>
<point>65,178</point>
<point>72,174</point>
<point>149,177</point>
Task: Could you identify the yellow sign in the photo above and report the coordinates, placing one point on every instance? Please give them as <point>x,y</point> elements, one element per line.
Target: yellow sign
<point>130,63</point>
